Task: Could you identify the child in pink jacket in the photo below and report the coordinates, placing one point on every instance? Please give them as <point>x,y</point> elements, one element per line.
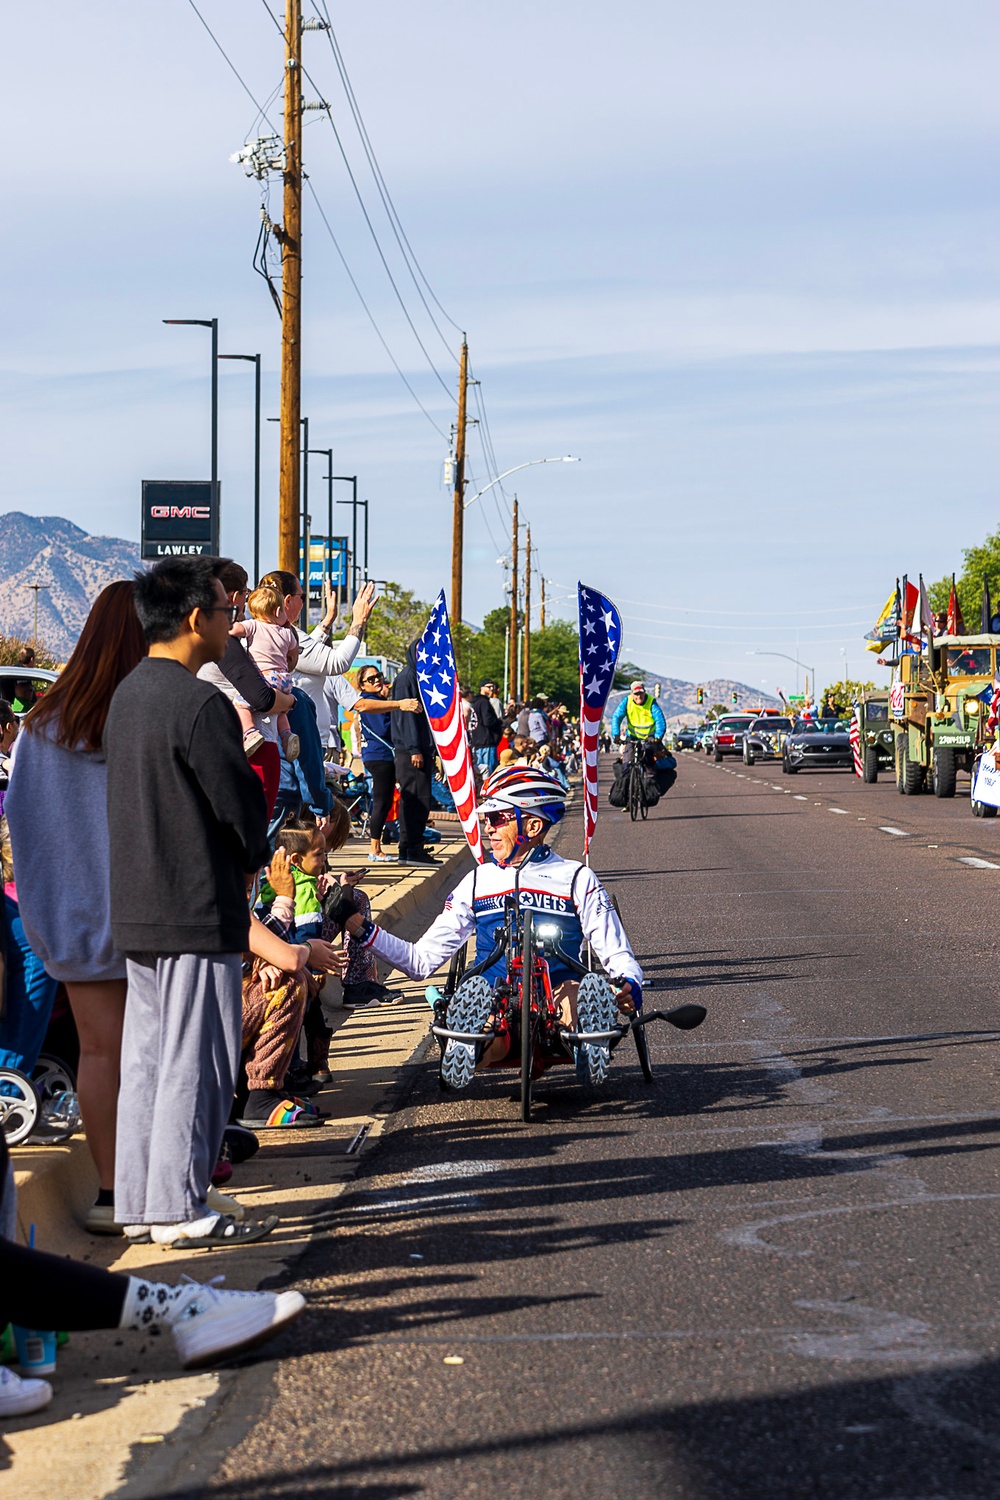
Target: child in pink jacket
<point>274,647</point>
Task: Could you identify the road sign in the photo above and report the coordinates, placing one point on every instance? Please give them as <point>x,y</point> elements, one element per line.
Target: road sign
<point>327,560</point>
<point>180,518</point>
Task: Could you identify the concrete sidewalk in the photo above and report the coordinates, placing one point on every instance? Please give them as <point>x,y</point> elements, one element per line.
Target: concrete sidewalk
<point>118,1394</point>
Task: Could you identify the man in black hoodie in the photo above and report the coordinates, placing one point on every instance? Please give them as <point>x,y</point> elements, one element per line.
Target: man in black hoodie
<point>413,745</point>
<point>188,824</point>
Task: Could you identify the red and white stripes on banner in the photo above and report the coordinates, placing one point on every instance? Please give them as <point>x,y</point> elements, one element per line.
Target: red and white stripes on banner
<point>453,748</point>
<point>855,737</point>
<point>590,732</point>
<point>600,642</point>
<point>437,681</point>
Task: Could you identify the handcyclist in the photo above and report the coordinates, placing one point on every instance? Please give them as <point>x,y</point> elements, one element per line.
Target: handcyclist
<point>521,805</point>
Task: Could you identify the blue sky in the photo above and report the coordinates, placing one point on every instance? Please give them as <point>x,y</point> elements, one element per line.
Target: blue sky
<point>741,260</point>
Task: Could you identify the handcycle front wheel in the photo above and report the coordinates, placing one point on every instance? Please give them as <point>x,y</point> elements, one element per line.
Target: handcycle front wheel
<point>527,1034</point>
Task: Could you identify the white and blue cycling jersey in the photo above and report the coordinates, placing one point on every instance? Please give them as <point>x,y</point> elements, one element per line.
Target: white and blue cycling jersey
<point>559,891</point>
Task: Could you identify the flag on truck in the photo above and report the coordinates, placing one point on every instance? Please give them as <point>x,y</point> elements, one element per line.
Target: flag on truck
<point>600,642</point>
<point>437,682</point>
<point>956,625</point>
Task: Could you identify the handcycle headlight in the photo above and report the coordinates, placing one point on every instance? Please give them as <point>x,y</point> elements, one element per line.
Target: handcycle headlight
<point>548,930</point>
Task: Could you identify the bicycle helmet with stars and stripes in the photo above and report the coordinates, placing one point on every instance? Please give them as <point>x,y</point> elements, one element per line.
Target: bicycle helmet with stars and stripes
<point>525,789</point>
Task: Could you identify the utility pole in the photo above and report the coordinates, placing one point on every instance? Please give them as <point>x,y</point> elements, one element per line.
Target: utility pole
<point>36,589</point>
<point>542,620</point>
<point>458,513</point>
<point>290,240</point>
<point>512,631</point>
<point>527,619</point>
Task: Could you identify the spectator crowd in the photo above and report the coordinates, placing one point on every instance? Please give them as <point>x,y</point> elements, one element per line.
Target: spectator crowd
<point>172,802</point>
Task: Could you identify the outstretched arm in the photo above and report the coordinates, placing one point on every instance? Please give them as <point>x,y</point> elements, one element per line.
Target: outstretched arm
<point>445,936</point>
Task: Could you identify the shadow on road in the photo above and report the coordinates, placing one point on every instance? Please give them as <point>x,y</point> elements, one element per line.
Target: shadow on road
<point>929,1435</point>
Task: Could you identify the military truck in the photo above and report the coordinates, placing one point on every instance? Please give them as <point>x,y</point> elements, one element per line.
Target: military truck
<point>877,747</point>
<point>940,715</point>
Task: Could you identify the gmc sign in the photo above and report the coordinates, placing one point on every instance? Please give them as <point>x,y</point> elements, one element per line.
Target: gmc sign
<point>180,517</point>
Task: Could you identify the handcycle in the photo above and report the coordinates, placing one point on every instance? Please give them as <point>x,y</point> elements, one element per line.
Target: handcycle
<point>523,1008</point>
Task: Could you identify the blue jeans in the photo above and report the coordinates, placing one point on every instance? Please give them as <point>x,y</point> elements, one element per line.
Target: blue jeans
<point>486,759</point>
<point>30,997</point>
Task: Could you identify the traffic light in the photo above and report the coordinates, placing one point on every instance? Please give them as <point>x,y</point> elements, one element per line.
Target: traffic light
<point>735,696</point>
<point>701,696</point>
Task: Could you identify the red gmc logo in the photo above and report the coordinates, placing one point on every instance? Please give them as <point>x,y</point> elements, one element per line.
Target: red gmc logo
<point>180,512</point>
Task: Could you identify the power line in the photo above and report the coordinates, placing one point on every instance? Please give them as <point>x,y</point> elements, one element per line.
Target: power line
<point>367,218</point>
<point>371,317</point>
<point>402,240</point>
<point>230,64</point>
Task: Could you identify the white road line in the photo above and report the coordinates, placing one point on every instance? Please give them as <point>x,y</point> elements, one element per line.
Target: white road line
<point>838,810</point>
<point>900,833</point>
<point>799,797</point>
<point>977,864</point>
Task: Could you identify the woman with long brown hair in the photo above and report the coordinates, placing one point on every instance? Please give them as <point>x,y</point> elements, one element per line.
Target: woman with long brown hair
<point>58,818</point>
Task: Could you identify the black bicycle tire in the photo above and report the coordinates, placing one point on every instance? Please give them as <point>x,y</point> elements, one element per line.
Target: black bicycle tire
<point>527,976</point>
<point>456,968</point>
<point>642,1048</point>
<point>634,792</point>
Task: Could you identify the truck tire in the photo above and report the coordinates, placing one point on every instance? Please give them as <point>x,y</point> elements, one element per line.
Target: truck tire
<point>718,756</point>
<point>870,771</point>
<point>913,773</point>
<point>898,760</point>
<point>944,773</point>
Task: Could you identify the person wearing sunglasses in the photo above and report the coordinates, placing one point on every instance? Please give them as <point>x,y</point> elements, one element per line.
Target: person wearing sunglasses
<point>520,805</point>
<point>377,754</point>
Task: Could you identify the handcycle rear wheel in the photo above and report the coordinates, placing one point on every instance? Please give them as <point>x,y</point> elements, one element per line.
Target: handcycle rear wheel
<point>527,1037</point>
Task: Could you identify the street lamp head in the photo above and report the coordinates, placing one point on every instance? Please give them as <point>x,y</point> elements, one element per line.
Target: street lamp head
<point>192,322</point>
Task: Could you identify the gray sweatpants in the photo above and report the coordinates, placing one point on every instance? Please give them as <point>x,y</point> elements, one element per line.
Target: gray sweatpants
<point>180,1053</point>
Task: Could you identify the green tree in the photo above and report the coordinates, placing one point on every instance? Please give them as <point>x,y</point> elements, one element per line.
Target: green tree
<point>399,617</point>
<point>12,645</point>
<point>981,565</point>
<point>846,692</point>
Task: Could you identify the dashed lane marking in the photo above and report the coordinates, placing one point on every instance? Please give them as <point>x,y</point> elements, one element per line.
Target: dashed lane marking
<point>799,797</point>
<point>842,810</point>
<point>900,833</point>
<point>977,864</point>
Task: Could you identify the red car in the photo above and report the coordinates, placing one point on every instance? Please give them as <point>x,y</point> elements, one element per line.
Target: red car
<point>727,738</point>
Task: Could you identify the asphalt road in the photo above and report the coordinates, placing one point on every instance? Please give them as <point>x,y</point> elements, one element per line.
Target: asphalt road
<point>772,1274</point>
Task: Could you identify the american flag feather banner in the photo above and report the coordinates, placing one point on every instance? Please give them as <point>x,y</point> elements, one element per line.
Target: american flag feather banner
<point>855,738</point>
<point>437,681</point>
<point>600,642</point>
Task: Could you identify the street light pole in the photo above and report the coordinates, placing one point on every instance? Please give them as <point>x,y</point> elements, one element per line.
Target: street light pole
<point>212,323</point>
<point>254,359</point>
<point>328,548</point>
<point>785,657</point>
<point>566,459</point>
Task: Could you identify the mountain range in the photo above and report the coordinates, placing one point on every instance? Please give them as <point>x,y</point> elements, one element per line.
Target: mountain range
<point>680,699</point>
<point>71,566</point>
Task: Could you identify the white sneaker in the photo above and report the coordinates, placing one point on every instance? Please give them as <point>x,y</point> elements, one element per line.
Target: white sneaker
<point>209,1325</point>
<point>18,1396</point>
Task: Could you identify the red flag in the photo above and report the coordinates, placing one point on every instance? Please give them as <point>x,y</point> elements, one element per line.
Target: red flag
<point>956,625</point>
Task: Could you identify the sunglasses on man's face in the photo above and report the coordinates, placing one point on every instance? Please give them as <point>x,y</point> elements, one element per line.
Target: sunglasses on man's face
<point>499,819</point>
